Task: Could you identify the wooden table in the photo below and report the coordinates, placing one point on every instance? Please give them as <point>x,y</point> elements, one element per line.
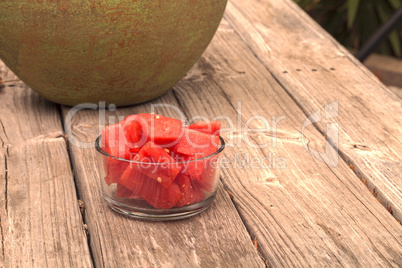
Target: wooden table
<point>269,59</point>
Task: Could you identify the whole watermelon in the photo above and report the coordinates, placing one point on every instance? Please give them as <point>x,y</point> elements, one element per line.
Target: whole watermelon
<point>119,51</point>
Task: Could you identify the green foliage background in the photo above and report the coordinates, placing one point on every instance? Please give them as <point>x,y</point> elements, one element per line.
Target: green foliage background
<point>353,22</point>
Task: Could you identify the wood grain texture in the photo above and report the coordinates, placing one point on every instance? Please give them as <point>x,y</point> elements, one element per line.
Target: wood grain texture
<point>315,70</point>
<point>215,238</point>
<point>41,225</point>
<point>303,213</point>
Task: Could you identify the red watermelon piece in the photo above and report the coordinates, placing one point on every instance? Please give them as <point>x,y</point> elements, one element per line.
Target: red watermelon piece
<point>193,169</point>
<point>209,175</point>
<point>197,144</point>
<point>161,197</point>
<point>133,180</point>
<point>211,127</point>
<point>165,169</point>
<point>153,192</point>
<point>113,142</point>
<point>123,192</point>
<point>114,168</point>
<point>202,172</point>
<point>165,130</point>
<point>189,194</point>
<point>160,129</point>
<point>188,167</point>
<point>136,131</point>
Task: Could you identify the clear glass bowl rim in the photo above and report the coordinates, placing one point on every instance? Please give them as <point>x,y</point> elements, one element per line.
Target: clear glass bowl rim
<point>100,150</point>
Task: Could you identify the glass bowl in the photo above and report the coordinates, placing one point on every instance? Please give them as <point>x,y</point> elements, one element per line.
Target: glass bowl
<point>129,187</point>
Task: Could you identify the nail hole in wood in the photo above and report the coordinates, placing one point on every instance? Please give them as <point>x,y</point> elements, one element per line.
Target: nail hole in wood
<point>298,70</point>
<point>285,72</point>
<point>332,69</point>
<point>314,70</point>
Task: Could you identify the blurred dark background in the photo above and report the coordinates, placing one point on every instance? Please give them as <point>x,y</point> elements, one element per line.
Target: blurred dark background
<point>353,22</point>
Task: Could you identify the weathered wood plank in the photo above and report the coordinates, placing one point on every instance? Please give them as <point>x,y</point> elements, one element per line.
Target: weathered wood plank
<point>41,225</point>
<point>215,238</point>
<point>303,213</point>
<point>315,70</point>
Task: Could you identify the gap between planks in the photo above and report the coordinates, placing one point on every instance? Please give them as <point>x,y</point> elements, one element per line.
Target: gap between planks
<point>77,193</point>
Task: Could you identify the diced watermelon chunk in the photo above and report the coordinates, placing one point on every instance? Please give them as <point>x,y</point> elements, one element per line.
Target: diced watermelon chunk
<point>123,192</point>
<point>189,194</point>
<point>161,197</point>
<point>114,168</point>
<point>114,141</point>
<point>197,144</point>
<point>165,130</point>
<point>212,127</point>
<point>153,192</point>
<point>209,175</point>
<point>157,164</point>
<point>133,180</point>
<point>203,171</point>
<point>136,131</point>
<point>157,128</point>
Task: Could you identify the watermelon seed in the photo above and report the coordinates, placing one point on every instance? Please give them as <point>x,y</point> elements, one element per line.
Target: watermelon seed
<point>157,117</point>
<point>167,150</point>
<point>159,179</point>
